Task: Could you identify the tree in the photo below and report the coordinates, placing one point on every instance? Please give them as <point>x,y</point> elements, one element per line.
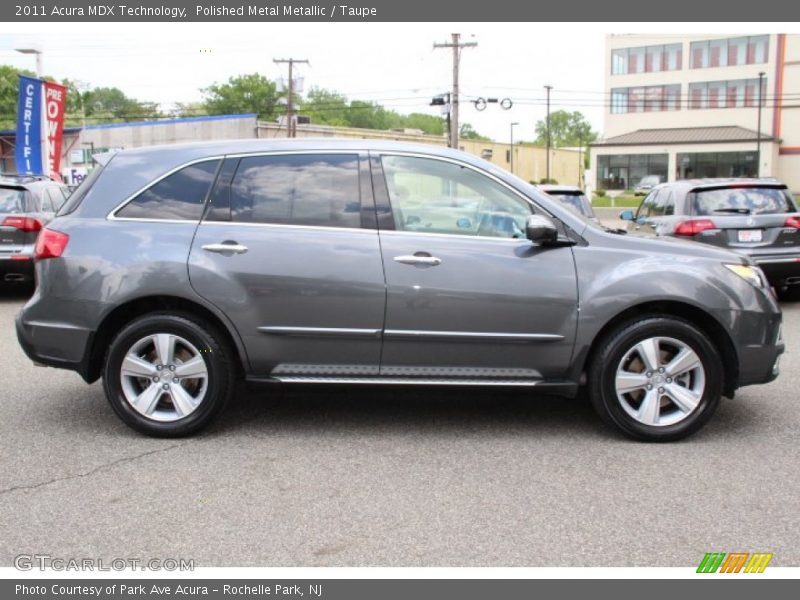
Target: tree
<point>467,132</point>
<point>252,93</point>
<point>566,129</point>
<point>103,105</point>
<point>9,99</point>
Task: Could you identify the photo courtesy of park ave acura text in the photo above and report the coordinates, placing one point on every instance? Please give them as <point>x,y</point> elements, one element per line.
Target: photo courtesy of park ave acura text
<point>316,296</point>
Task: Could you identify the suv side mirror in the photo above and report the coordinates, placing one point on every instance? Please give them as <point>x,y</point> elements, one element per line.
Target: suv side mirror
<point>626,215</point>
<point>540,230</point>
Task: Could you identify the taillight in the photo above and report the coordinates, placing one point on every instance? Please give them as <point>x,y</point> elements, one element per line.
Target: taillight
<point>26,224</point>
<point>792,222</point>
<point>694,226</point>
<point>50,244</point>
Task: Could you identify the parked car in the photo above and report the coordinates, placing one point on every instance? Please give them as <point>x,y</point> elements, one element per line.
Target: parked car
<point>572,197</point>
<point>174,271</point>
<point>27,203</point>
<point>754,217</point>
<point>646,184</point>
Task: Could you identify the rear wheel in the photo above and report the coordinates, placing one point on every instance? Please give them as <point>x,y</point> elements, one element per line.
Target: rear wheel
<point>167,375</point>
<point>656,379</point>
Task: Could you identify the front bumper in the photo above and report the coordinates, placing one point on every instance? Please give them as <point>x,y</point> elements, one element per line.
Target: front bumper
<point>758,363</point>
<point>56,345</point>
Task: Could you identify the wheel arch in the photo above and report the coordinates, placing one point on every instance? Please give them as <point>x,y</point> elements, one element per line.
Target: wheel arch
<point>702,319</point>
<point>137,307</point>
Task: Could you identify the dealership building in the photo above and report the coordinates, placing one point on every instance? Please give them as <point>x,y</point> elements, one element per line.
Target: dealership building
<point>682,107</point>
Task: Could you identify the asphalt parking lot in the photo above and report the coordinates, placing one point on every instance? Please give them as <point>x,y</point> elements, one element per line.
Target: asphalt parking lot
<point>388,477</point>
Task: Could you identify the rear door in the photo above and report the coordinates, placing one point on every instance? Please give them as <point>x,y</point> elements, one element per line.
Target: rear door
<point>469,297</point>
<point>289,251</point>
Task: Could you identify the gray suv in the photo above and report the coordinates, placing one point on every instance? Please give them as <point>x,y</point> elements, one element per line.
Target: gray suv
<point>173,272</point>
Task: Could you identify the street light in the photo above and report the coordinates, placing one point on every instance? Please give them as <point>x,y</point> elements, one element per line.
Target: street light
<point>758,135</point>
<point>38,52</point>
<point>511,151</point>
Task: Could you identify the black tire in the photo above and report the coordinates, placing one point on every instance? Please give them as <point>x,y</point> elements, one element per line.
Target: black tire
<point>613,348</point>
<point>218,360</point>
<point>790,293</point>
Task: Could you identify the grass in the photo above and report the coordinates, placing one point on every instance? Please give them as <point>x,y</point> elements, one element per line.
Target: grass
<point>623,201</point>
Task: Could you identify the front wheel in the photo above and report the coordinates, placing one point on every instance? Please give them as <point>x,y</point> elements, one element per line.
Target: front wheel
<point>656,379</point>
<point>168,375</point>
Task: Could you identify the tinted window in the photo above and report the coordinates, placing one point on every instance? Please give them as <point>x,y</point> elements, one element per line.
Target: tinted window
<point>435,196</point>
<point>177,196</point>
<point>575,201</point>
<point>742,200</point>
<point>76,197</point>
<point>297,189</point>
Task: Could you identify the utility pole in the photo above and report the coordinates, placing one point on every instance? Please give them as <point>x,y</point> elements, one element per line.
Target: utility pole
<point>291,125</point>
<point>548,88</point>
<point>758,136</point>
<point>456,45</point>
<point>511,147</point>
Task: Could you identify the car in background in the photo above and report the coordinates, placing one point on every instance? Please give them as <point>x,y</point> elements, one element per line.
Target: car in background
<point>27,204</point>
<point>572,197</point>
<point>754,217</point>
<point>646,184</point>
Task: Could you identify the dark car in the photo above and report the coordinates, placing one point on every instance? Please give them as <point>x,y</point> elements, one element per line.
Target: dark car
<point>572,197</point>
<point>754,217</point>
<point>27,203</point>
<point>174,271</point>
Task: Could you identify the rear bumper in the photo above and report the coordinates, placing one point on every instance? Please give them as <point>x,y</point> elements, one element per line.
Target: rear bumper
<point>55,345</point>
<point>777,266</point>
<point>16,268</point>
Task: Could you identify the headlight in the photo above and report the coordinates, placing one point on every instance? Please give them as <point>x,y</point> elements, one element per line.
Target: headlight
<point>750,274</point>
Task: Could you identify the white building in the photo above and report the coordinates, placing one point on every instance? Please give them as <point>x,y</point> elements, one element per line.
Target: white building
<point>687,106</point>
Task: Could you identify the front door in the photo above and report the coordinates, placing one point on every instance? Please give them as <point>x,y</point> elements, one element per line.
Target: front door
<point>469,296</point>
<point>289,251</point>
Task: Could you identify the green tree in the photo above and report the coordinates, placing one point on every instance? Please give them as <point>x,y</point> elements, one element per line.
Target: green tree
<point>467,132</point>
<point>252,93</point>
<point>9,89</point>
<point>566,129</point>
<point>326,107</point>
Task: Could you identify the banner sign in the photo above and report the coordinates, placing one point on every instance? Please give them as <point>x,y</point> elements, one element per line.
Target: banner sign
<point>28,153</point>
<point>40,127</point>
<point>55,105</point>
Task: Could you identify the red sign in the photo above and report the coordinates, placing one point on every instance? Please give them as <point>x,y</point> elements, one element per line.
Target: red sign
<point>55,105</point>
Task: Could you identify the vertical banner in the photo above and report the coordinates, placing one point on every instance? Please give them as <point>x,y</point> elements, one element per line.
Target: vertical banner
<point>55,104</point>
<point>28,154</point>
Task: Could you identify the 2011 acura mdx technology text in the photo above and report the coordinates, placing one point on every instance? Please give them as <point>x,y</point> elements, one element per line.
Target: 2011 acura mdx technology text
<point>174,271</point>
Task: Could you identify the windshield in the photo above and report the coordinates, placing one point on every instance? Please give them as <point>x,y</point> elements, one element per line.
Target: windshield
<point>577,202</point>
<point>752,200</point>
<point>12,200</point>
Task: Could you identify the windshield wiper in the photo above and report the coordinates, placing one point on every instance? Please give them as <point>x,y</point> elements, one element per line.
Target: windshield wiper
<point>738,211</point>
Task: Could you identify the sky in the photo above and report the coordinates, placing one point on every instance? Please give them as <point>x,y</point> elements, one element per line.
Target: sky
<point>393,64</point>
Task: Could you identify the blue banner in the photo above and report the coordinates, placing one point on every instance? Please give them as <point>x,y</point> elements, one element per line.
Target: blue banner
<point>28,154</point>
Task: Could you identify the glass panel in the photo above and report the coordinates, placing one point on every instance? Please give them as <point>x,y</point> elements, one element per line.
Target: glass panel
<point>636,99</point>
<point>672,57</point>
<point>761,46</point>
<point>654,59</point>
<point>434,196</point>
<point>300,189</point>
<point>699,52</point>
<point>737,51</point>
<point>698,95</point>
<point>636,59</point>
<point>744,200</point>
<point>619,61</point>
<point>177,196</point>
<point>718,53</point>
<point>716,94</point>
<point>672,97</point>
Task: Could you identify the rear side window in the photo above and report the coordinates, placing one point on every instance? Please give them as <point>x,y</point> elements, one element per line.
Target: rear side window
<point>12,200</point>
<point>75,198</point>
<point>178,196</point>
<point>297,189</point>
<point>751,200</point>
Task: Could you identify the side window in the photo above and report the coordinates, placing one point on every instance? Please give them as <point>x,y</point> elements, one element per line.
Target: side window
<point>55,199</point>
<point>297,189</point>
<point>45,203</point>
<point>669,203</point>
<point>648,206</point>
<point>435,196</point>
<point>177,196</point>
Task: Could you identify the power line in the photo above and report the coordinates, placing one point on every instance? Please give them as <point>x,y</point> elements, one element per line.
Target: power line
<point>456,44</point>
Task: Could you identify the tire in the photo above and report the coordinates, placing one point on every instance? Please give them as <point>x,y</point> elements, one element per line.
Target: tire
<point>789,293</point>
<point>147,396</point>
<point>628,360</point>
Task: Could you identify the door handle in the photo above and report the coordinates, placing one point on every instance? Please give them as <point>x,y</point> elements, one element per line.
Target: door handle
<point>411,259</point>
<point>234,248</point>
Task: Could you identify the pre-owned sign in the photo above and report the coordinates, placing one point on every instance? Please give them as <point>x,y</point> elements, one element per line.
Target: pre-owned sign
<point>40,126</point>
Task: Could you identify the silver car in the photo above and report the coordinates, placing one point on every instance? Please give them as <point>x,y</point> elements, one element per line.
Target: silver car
<point>175,271</point>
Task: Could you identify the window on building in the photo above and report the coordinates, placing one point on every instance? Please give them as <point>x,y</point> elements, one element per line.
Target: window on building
<point>646,59</point>
<point>297,189</point>
<point>178,196</point>
<point>625,171</point>
<point>691,165</point>
<point>739,93</point>
<point>729,52</point>
<point>654,98</point>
